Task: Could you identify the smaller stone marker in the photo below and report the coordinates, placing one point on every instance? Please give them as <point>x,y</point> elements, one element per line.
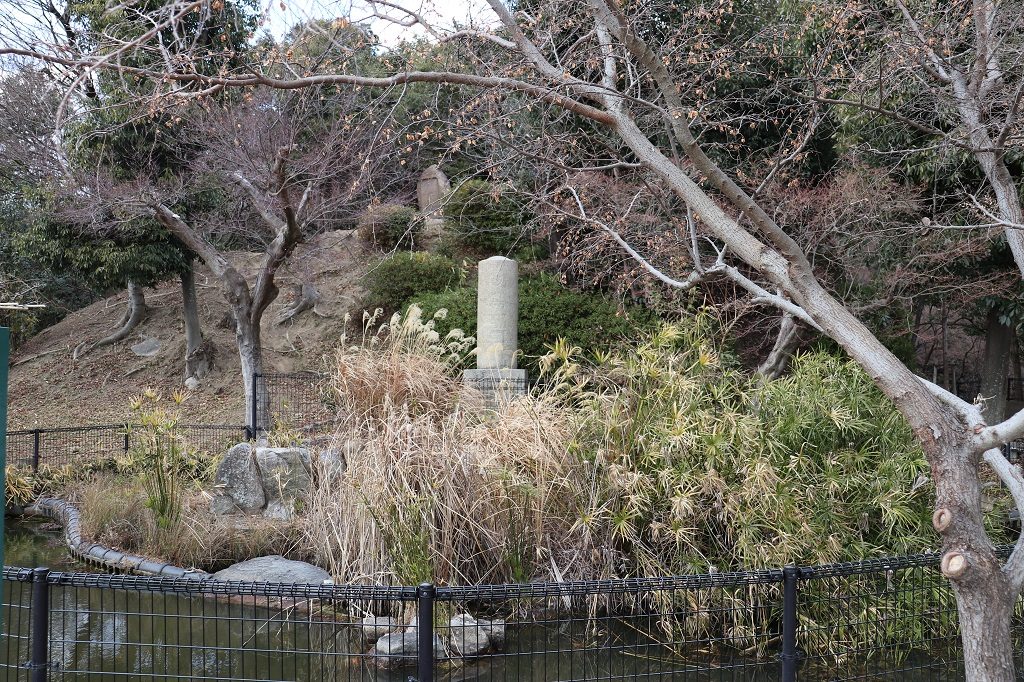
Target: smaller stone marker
<point>431,189</point>
<point>497,328</point>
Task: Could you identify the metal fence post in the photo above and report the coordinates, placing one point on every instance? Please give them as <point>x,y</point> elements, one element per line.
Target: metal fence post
<point>254,408</point>
<point>127,432</point>
<point>36,433</point>
<point>39,635</point>
<point>790,576</point>
<point>425,594</point>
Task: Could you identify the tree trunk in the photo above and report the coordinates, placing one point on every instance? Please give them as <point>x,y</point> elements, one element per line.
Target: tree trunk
<point>984,595</point>
<point>250,353</point>
<point>785,342</point>
<point>306,298</point>
<point>999,341</point>
<point>133,317</point>
<point>197,353</point>
<point>985,610</point>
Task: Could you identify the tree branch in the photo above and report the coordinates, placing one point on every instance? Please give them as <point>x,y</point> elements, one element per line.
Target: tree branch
<point>272,221</point>
<point>610,15</point>
<point>545,94</point>
<point>289,234</point>
<point>1002,433</point>
<point>190,238</point>
<point>1014,481</point>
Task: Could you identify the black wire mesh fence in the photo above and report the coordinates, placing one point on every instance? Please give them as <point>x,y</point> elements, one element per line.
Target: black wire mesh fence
<point>892,619</point>
<point>106,627</point>
<point>36,448</point>
<point>886,619</point>
<point>1014,389</point>
<point>299,402</point>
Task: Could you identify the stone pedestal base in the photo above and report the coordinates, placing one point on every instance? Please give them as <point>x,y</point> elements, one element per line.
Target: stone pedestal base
<point>497,385</point>
<point>428,238</point>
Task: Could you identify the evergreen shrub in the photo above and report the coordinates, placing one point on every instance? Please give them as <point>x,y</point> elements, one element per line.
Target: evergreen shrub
<point>389,226</point>
<point>485,218</point>
<point>395,280</point>
<point>548,310</point>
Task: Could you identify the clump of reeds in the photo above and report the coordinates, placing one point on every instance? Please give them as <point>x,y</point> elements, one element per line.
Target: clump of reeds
<point>114,512</point>
<point>442,488</point>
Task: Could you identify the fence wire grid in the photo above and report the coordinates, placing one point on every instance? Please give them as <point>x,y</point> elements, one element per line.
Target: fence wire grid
<point>35,448</point>
<point>891,619</point>
<point>299,401</point>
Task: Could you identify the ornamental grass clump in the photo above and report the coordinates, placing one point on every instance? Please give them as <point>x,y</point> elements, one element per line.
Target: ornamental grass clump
<point>158,453</point>
<point>706,468</point>
<point>441,488</point>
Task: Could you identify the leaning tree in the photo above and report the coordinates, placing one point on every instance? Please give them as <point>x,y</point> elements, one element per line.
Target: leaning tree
<point>646,73</point>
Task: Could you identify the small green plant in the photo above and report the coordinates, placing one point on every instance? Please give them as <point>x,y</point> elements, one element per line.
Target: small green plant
<point>407,540</point>
<point>158,450</point>
<point>389,226</point>
<point>486,218</point>
<point>399,279</point>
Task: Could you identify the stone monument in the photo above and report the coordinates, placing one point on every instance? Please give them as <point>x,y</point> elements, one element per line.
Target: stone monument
<point>432,188</point>
<point>497,328</point>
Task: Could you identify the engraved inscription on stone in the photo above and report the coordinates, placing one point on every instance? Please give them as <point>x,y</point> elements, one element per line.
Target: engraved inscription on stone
<point>431,189</point>
<point>497,313</point>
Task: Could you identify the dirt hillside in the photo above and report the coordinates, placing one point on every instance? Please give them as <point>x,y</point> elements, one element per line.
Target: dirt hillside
<point>48,388</point>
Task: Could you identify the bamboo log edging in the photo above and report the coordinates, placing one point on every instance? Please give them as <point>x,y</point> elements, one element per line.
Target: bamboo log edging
<point>68,516</point>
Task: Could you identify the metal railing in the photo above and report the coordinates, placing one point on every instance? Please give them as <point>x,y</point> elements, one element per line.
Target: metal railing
<point>887,619</point>
<point>298,401</point>
<point>968,389</point>
<point>33,448</point>
<point>1015,389</point>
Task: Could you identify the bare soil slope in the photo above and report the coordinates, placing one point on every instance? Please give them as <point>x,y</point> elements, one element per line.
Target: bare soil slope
<point>50,389</point>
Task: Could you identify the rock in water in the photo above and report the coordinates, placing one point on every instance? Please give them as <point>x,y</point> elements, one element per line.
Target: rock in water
<point>401,649</point>
<point>472,637</point>
<point>274,569</point>
<point>375,627</point>
<point>238,486</point>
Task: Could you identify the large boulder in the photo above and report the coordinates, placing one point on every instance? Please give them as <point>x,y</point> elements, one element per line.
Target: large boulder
<point>253,480</point>
<point>401,649</point>
<point>238,484</point>
<point>274,569</point>
<point>373,628</point>
<point>472,637</point>
<point>332,459</point>
<point>286,474</point>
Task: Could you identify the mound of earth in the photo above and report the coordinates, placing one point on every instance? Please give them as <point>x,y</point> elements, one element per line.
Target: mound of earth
<point>49,388</point>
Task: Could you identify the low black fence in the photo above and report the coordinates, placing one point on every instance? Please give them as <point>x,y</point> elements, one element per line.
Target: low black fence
<point>1015,389</point>
<point>35,448</point>
<point>892,619</point>
<point>299,402</point>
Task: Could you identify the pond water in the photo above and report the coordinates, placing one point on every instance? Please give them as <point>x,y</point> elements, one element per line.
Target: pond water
<point>31,542</point>
<point>134,635</point>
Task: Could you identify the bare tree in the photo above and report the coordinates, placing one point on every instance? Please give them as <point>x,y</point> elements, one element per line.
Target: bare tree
<point>296,164</point>
<point>946,79</point>
<point>616,68</point>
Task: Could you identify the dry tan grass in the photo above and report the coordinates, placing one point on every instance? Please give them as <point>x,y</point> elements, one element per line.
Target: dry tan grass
<point>114,513</point>
<point>443,489</point>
